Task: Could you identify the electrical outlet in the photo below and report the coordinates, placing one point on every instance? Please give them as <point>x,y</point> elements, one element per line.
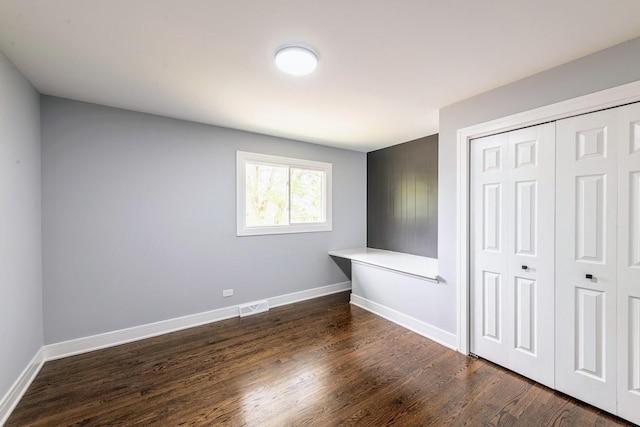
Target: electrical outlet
<point>227,293</point>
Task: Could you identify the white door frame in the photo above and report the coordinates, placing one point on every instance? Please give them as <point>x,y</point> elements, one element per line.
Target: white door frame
<point>613,97</point>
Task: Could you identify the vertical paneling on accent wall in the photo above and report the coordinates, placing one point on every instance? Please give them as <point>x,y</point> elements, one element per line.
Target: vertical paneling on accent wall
<point>402,197</point>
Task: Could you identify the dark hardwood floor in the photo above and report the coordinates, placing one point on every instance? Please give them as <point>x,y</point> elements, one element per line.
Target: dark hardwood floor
<point>320,363</point>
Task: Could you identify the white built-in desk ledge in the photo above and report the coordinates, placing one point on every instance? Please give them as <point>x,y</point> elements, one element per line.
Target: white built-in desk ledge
<point>414,265</point>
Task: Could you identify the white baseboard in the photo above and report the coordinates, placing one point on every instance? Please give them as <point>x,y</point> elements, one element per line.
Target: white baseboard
<point>20,386</point>
<point>438,335</point>
<point>109,339</point>
<point>136,333</point>
<point>309,294</point>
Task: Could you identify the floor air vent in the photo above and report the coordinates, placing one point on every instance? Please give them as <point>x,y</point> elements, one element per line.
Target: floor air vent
<point>253,308</point>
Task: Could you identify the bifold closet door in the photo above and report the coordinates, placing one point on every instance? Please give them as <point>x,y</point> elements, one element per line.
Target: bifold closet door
<point>629,263</point>
<point>512,250</point>
<point>586,264</point>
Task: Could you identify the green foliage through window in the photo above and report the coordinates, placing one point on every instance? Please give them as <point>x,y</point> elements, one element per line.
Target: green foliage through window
<point>280,192</point>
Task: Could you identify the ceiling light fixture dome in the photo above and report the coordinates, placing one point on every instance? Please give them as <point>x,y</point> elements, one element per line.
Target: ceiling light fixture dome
<point>296,59</point>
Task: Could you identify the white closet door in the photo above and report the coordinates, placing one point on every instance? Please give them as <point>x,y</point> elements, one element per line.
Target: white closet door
<point>512,260</point>
<point>531,244</point>
<point>629,263</point>
<point>488,245</point>
<point>586,245</point>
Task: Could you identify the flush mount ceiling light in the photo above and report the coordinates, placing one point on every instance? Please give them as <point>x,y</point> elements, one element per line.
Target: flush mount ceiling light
<point>296,59</point>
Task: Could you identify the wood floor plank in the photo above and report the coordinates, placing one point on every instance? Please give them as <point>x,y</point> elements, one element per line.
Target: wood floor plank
<point>321,362</point>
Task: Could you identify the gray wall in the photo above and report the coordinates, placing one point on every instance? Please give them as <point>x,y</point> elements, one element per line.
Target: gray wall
<point>139,220</point>
<point>20,238</point>
<point>602,70</point>
<point>402,197</point>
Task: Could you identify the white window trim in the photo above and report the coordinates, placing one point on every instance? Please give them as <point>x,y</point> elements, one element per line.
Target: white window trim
<point>244,157</point>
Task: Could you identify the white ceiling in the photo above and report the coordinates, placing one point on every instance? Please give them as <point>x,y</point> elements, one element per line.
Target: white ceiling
<point>386,66</point>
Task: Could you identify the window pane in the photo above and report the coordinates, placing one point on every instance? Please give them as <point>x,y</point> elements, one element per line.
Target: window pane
<point>266,195</point>
<point>307,201</point>
<point>278,195</point>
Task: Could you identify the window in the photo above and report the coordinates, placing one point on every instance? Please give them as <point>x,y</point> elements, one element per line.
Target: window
<point>282,195</point>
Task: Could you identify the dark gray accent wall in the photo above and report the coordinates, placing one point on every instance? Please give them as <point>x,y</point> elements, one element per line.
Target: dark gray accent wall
<point>20,230</point>
<point>139,220</point>
<point>402,197</point>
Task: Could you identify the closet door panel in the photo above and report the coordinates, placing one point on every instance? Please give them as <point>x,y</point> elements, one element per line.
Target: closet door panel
<point>590,212</point>
<point>629,263</point>
<point>488,262</point>
<point>530,244</point>
<point>586,192</point>
<point>512,259</point>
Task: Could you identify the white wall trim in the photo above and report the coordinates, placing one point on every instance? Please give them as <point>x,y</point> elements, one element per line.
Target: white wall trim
<point>608,98</point>
<point>445,338</point>
<point>123,336</point>
<point>109,339</point>
<point>10,400</point>
<point>309,294</point>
